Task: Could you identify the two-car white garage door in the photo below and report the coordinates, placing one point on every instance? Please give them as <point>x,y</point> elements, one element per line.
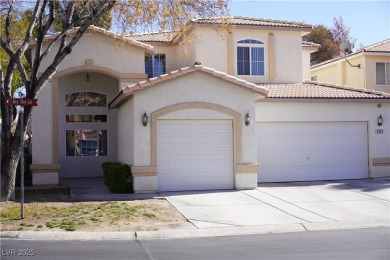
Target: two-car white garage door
<point>198,154</point>
<point>194,154</point>
<point>312,151</point>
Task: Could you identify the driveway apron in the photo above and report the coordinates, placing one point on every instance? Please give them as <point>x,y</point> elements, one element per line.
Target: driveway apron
<point>287,203</point>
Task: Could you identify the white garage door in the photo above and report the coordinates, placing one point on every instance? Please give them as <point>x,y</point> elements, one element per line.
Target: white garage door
<point>194,155</point>
<point>312,151</point>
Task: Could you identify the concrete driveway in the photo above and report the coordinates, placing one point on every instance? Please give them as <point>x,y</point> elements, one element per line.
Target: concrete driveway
<point>304,202</point>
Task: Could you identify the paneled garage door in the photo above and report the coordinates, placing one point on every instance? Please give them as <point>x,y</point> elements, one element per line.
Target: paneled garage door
<point>194,155</point>
<point>312,151</point>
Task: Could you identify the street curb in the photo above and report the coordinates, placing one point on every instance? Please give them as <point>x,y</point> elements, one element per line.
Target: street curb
<point>41,235</point>
<point>194,233</point>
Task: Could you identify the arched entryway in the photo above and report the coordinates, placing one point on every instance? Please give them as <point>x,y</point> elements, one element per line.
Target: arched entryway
<point>87,134</point>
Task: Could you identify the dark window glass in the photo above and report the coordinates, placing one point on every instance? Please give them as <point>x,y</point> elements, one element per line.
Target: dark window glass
<point>243,61</point>
<point>86,118</point>
<point>155,65</point>
<point>250,41</point>
<point>86,142</point>
<point>250,59</point>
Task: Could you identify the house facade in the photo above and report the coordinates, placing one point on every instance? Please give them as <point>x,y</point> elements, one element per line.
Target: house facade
<point>373,71</point>
<point>233,112</point>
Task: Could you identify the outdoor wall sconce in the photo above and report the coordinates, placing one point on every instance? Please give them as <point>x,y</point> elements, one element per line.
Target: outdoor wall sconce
<point>87,77</point>
<point>247,119</point>
<point>145,119</point>
<point>380,120</point>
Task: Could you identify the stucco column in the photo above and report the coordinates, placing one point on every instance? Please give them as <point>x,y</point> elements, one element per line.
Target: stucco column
<point>271,57</point>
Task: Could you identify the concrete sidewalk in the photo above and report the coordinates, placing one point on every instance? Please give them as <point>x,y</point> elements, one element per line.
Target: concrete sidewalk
<point>94,189</point>
<point>192,233</point>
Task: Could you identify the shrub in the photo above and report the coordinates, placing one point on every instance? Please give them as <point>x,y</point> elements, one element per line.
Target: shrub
<point>117,177</point>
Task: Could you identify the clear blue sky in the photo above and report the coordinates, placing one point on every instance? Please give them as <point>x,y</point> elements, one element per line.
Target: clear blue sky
<point>369,21</point>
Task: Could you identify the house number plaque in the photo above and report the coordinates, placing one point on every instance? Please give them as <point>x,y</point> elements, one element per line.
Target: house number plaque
<point>379,131</point>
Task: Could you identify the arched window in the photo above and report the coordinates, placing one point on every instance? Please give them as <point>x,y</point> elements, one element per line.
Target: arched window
<point>250,57</point>
<point>85,99</point>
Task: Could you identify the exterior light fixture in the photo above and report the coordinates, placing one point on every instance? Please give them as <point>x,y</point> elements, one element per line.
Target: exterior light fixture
<point>87,77</point>
<point>145,119</point>
<point>247,119</point>
<point>380,120</point>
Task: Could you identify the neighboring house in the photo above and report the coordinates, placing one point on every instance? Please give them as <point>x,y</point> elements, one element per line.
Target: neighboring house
<point>374,71</point>
<point>240,116</point>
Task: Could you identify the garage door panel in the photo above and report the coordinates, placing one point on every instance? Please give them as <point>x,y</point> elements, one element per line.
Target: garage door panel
<point>199,157</point>
<point>312,151</point>
<point>185,146</point>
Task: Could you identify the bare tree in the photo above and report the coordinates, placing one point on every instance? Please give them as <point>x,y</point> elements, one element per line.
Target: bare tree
<point>340,32</point>
<point>128,16</point>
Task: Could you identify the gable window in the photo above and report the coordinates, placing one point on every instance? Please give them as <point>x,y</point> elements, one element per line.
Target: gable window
<point>155,65</point>
<point>382,73</point>
<point>250,57</point>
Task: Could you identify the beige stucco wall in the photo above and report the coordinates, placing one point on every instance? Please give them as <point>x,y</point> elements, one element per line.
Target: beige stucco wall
<point>42,148</point>
<point>192,88</point>
<point>329,74</point>
<point>371,61</point>
<point>125,128</point>
<point>196,87</point>
<point>210,47</point>
<point>306,65</point>
<point>340,72</point>
<point>354,76</point>
<point>379,144</point>
<point>288,57</point>
<point>170,54</point>
<point>185,55</point>
<point>104,51</point>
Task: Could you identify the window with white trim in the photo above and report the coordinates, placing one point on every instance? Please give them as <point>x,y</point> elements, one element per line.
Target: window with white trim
<point>250,57</point>
<point>155,65</point>
<point>382,73</point>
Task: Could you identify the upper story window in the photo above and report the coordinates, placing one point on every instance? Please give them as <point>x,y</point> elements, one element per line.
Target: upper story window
<point>250,57</point>
<point>382,73</point>
<point>155,65</point>
<point>85,99</point>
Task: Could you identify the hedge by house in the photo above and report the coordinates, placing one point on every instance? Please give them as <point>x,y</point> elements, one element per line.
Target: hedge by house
<point>117,177</point>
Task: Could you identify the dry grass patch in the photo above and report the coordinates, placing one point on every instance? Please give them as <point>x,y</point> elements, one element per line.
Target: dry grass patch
<point>89,216</point>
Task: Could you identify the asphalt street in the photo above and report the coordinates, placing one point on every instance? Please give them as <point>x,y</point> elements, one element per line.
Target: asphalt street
<point>373,243</point>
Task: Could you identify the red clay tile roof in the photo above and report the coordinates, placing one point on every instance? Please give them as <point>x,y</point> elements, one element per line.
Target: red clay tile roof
<point>102,31</point>
<point>317,90</point>
<point>383,46</point>
<point>241,20</point>
<point>168,36</point>
<point>131,89</point>
<point>154,36</point>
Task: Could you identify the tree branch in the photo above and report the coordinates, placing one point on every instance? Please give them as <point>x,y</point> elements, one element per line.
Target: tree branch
<point>102,8</point>
<point>16,59</point>
<point>63,34</point>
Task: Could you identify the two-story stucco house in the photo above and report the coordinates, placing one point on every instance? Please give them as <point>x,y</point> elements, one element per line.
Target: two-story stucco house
<point>241,115</point>
<point>373,71</point>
